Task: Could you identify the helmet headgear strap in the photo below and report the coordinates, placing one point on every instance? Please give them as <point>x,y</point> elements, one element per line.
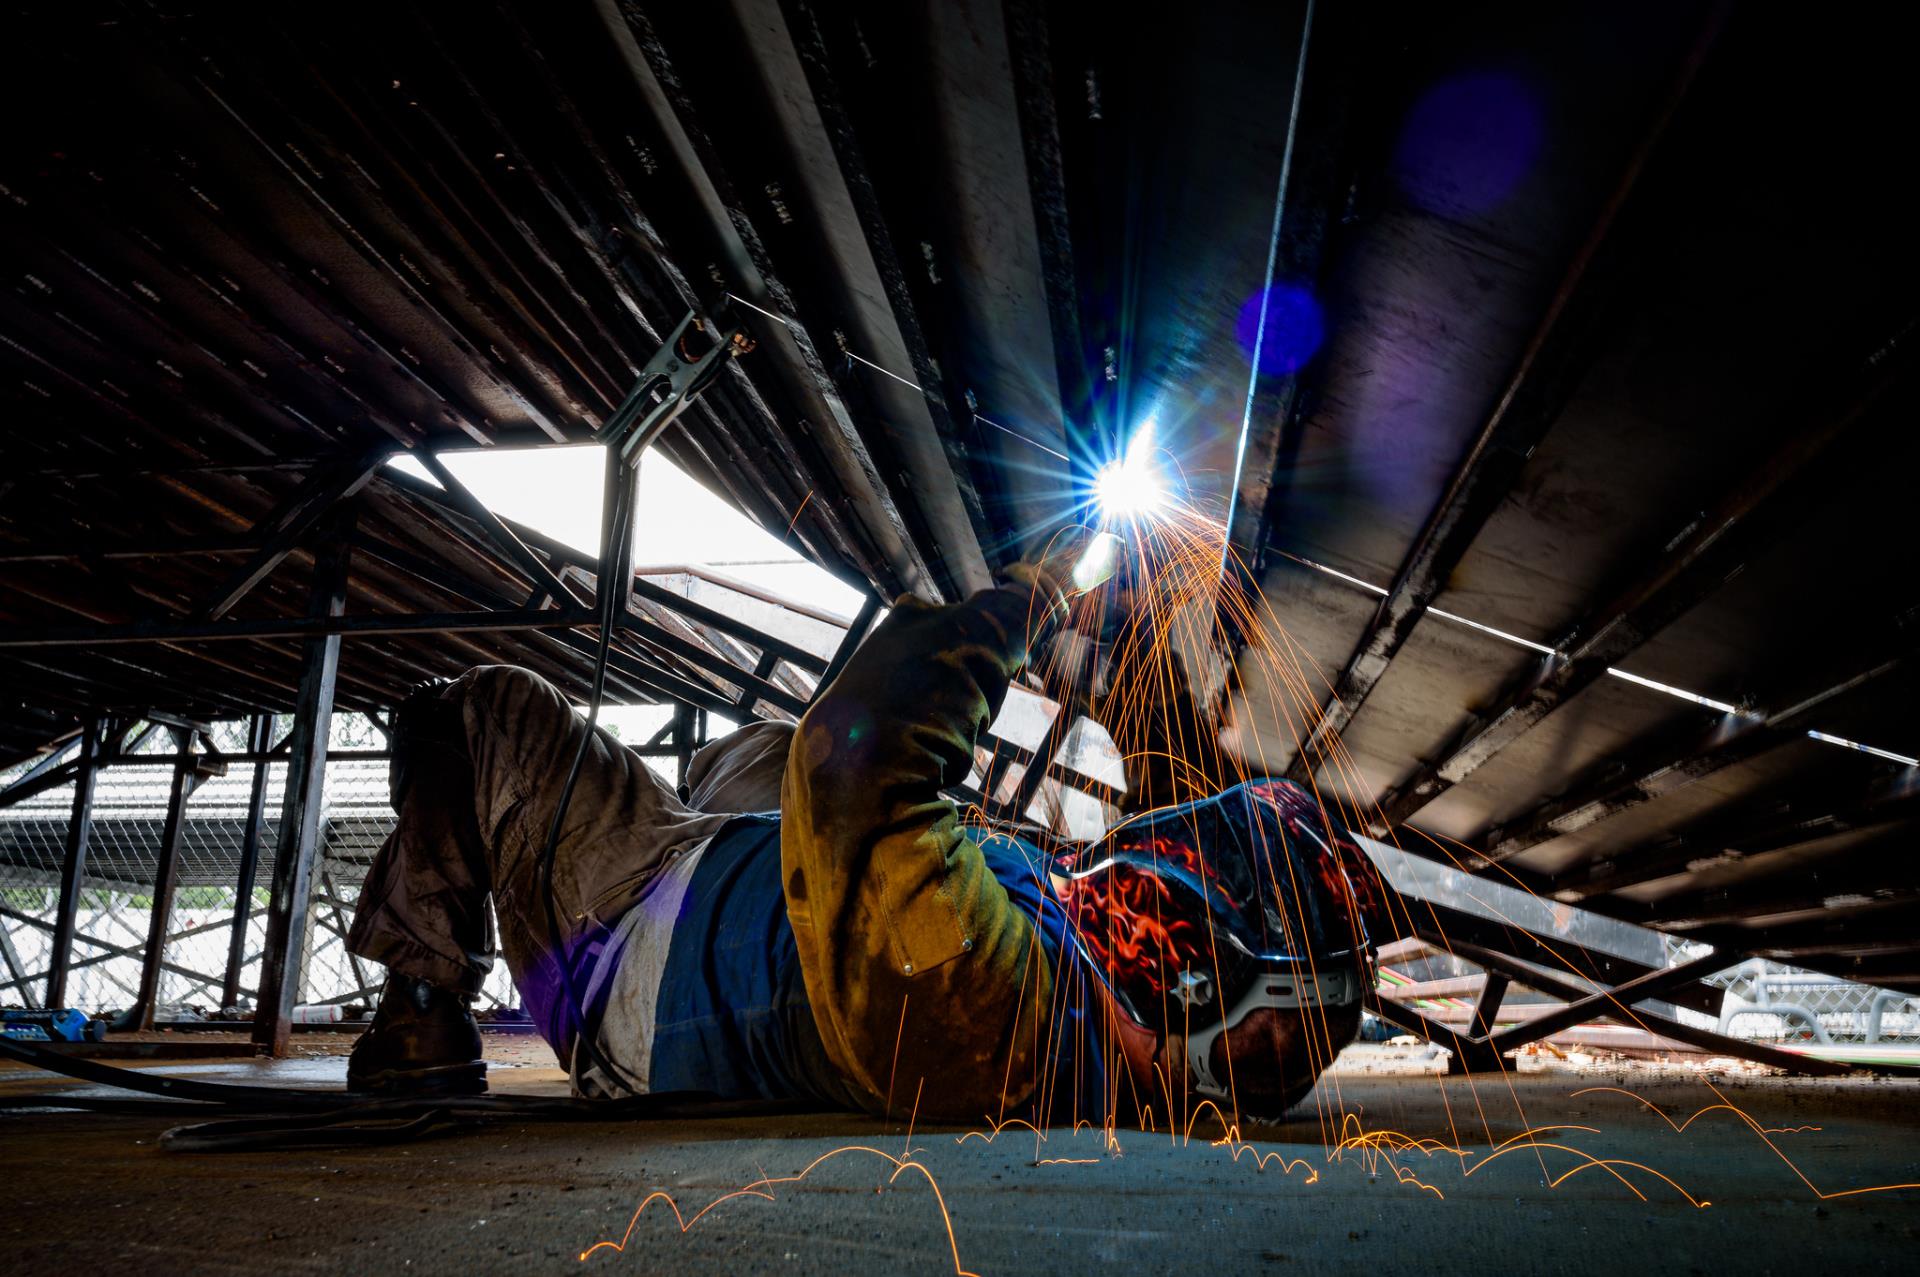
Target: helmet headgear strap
<point>1280,991</point>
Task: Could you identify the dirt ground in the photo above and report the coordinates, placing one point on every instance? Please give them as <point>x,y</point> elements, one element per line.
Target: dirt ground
<point>1389,1167</point>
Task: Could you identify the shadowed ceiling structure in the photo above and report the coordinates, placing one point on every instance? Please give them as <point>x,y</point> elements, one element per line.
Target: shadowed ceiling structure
<point>1591,325</point>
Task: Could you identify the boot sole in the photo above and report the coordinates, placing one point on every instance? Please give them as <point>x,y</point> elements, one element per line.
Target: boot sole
<point>446,1079</point>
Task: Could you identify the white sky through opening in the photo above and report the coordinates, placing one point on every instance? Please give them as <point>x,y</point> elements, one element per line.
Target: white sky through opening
<point>556,491</point>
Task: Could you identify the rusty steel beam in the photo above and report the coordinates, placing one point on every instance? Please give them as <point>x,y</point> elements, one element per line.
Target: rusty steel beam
<point>295,627</point>
<point>1838,911</point>
<point>1873,875</point>
<point>717,221</point>
<point>157,548</point>
<point>181,468</point>
<point>863,115</point>
<point>40,782</point>
<point>1815,811</point>
<point>1031,63</point>
<point>497,531</point>
<point>267,113</point>
<point>1822,808</point>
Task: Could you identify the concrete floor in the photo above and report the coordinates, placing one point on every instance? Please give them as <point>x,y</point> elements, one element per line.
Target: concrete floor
<point>93,1194</point>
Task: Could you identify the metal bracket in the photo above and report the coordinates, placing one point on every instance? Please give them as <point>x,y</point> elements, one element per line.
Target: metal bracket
<point>669,383</point>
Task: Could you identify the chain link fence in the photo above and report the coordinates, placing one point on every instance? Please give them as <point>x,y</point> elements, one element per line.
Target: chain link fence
<point>127,838</point>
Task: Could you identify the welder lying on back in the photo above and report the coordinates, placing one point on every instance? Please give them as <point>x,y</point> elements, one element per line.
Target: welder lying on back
<point>815,920</point>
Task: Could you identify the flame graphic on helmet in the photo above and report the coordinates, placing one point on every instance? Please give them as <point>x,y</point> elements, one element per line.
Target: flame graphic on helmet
<point>1349,874</point>
<point>1127,918</point>
<point>1153,900</point>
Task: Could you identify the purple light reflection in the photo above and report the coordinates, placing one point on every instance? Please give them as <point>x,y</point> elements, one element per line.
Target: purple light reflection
<point>1295,328</point>
<point>1468,142</point>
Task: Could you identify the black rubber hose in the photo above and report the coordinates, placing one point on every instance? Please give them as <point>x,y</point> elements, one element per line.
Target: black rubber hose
<point>268,1099</point>
<point>265,1099</point>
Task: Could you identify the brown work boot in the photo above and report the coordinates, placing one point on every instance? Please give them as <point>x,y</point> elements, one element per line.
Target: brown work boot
<point>423,1041</point>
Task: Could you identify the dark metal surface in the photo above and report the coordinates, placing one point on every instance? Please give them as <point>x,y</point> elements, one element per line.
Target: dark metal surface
<point>1830,802</point>
<point>1668,760</point>
<point>1763,504</point>
<point>1527,405</point>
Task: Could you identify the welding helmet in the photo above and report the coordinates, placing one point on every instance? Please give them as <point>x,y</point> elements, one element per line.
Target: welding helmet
<point>1198,915</point>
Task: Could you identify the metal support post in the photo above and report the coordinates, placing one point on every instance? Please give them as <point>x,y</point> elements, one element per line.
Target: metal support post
<point>1487,1010</point>
<point>299,836</point>
<point>1474,1053</point>
<point>16,969</point>
<point>166,879</point>
<point>259,738</point>
<point>856,634</point>
<point>762,669</point>
<point>73,868</point>
<point>684,730</point>
<point>330,896</point>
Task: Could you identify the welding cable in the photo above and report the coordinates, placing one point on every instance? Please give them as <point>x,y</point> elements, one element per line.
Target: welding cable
<point>328,1131</point>
<point>233,1094</point>
<point>259,1117</point>
<point>613,549</point>
<point>395,1122</point>
<point>112,1105</point>
<point>189,1095</point>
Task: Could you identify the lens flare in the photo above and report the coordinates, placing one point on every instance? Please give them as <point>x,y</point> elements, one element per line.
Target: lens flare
<point>1131,486</point>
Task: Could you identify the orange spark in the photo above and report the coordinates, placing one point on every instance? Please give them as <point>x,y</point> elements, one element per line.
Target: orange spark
<point>796,511</point>
<point>761,1188</point>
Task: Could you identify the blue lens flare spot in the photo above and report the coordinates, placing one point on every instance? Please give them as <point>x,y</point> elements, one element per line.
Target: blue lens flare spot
<point>1295,328</point>
<point>1468,142</point>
